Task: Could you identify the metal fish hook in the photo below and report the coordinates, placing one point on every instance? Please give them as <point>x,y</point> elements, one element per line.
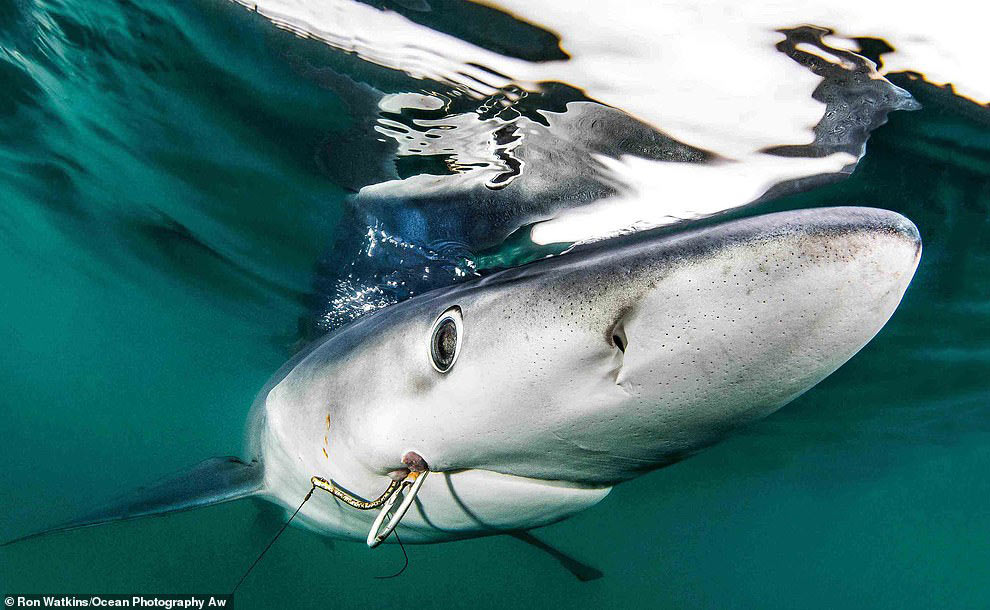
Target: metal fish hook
<point>377,535</point>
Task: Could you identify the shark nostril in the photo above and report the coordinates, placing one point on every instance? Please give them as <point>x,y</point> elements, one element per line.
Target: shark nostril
<point>619,342</point>
<point>615,334</point>
<point>619,337</point>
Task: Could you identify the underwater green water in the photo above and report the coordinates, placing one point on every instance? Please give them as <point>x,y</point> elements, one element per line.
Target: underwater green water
<point>161,214</point>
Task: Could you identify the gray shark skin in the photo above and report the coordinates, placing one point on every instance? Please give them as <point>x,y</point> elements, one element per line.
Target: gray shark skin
<point>567,376</point>
<point>576,373</point>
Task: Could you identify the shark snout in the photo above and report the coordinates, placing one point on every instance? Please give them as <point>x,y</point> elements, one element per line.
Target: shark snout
<point>740,328</point>
<point>775,278</point>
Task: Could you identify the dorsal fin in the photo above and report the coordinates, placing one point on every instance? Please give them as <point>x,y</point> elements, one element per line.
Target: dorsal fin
<point>212,481</point>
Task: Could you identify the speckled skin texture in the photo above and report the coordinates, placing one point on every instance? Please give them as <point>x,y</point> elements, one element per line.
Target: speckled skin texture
<point>582,371</point>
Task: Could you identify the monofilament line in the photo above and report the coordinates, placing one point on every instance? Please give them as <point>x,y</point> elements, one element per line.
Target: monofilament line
<point>306,499</point>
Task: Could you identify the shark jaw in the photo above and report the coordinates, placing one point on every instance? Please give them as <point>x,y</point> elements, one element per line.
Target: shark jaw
<point>546,385</point>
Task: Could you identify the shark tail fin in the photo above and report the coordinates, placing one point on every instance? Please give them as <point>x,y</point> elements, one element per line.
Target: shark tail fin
<point>212,481</point>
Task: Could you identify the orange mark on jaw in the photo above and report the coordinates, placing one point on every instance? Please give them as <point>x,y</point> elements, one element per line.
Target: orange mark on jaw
<point>326,438</point>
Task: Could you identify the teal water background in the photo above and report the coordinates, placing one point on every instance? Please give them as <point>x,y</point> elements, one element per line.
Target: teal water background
<point>161,213</point>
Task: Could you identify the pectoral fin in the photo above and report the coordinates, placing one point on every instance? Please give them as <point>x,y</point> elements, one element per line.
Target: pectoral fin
<point>581,571</point>
<point>212,481</point>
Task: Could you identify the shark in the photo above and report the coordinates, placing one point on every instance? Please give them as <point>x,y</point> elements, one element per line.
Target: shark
<point>528,394</point>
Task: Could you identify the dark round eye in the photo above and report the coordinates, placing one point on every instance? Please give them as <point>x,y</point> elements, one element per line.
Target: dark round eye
<point>445,340</point>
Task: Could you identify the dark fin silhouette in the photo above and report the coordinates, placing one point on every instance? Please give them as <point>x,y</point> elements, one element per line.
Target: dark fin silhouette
<point>581,571</point>
<point>212,481</point>
<point>268,517</point>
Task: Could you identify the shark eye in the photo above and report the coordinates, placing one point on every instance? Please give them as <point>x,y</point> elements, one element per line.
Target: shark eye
<point>445,339</point>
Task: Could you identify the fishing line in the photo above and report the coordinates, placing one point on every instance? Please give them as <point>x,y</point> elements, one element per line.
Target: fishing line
<point>404,556</point>
<point>306,499</point>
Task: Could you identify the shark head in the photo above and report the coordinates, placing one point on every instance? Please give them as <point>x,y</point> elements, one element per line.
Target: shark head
<point>534,390</point>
